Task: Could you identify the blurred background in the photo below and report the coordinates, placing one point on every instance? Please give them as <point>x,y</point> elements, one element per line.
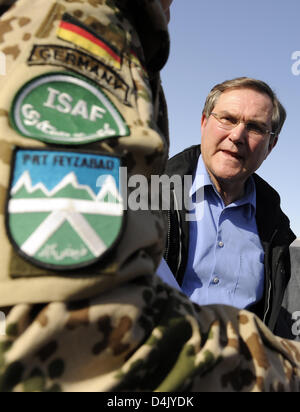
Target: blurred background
<point>216,41</point>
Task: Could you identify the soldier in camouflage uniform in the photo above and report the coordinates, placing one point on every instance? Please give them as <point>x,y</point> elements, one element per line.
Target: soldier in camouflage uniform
<point>85,311</point>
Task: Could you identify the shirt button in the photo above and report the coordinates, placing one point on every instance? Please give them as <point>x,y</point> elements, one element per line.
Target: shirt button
<point>216,281</point>
<point>221,244</point>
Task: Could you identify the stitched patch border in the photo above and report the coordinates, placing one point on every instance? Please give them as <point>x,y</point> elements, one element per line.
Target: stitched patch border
<point>64,209</point>
<point>65,108</point>
<point>82,63</point>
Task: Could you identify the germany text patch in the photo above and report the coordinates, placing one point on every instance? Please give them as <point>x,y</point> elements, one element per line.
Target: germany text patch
<point>83,64</point>
<point>65,209</point>
<point>65,108</point>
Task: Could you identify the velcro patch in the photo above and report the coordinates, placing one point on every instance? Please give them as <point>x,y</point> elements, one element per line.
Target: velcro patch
<point>65,209</point>
<point>65,108</point>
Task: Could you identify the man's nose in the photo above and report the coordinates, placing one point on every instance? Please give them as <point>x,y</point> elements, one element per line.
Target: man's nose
<point>239,134</point>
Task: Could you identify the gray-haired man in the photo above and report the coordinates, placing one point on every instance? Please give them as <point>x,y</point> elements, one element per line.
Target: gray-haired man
<point>238,253</point>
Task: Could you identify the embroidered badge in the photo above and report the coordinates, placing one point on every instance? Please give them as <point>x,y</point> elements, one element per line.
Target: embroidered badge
<point>65,209</point>
<point>77,33</point>
<point>64,108</point>
<point>82,63</point>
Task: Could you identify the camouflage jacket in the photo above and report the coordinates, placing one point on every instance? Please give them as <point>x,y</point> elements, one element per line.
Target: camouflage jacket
<point>80,302</point>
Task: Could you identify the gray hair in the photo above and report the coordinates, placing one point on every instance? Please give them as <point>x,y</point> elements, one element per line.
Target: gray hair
<point>279,112</point>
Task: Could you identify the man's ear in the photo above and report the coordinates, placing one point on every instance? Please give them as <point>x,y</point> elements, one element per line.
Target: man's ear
<point>272,144</point>
<point>204,121</point>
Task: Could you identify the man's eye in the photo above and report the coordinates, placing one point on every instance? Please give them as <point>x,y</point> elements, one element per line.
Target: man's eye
<point>228,120</point>
<point>252,127</point>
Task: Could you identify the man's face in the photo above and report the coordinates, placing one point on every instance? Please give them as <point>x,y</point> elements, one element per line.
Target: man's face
<point>166,7</point>
<point>233,155</point>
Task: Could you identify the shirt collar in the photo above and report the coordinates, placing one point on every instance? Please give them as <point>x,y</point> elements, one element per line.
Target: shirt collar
<point>202,179</point>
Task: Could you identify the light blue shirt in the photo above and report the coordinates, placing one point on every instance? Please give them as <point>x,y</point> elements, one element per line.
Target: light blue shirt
<point>226,257</point>
<point>164,272</point>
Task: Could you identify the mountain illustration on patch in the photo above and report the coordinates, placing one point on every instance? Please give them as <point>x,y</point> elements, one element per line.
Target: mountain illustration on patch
<point>67,225</point>
<point>67,188</point>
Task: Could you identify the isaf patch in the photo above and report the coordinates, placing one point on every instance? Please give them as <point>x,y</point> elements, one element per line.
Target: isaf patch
<point>64,108</point>
<point>65,209</point>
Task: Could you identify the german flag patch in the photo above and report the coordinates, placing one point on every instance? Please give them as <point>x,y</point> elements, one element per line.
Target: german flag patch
<point>75,32</point>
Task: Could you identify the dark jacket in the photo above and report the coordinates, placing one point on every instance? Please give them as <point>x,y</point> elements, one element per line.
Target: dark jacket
<point>289,319</point>
<point>273,227</point>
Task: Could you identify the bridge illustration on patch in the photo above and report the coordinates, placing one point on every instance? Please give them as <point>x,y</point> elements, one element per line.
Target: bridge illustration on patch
<point>67,226</point>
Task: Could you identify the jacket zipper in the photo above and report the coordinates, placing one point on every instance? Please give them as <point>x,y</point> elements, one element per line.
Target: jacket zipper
<point>166,254</point>
<point>270,282</point>
<point>180,236</point>
<point>269,302</point>
<point>167,250</point>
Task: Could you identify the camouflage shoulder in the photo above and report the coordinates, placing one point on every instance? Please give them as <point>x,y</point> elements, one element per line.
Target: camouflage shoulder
<point>121,341</point>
